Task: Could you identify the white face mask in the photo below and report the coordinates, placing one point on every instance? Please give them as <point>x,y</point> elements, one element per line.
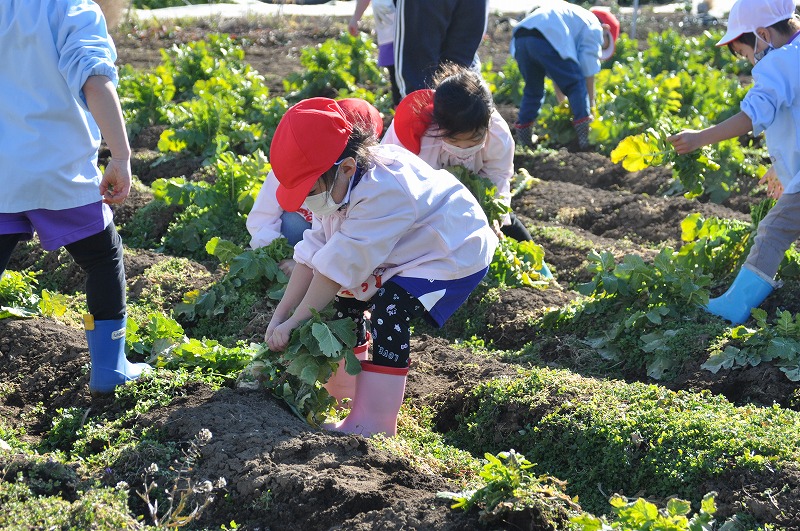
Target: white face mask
<point>323,204</point>
<point>462,153</point>
<point>757,56</point>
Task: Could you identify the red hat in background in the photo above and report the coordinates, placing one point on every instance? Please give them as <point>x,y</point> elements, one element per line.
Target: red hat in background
<point>412,117</point>
<point>363,113</point>
<point>607,17</point>
<point>308,141</point>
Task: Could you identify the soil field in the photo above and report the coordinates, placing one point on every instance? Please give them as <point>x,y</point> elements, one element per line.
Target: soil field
<point>280,473</point>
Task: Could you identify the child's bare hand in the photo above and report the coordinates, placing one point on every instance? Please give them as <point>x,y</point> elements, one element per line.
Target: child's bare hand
<point>352,27</point>
<point>116,183</point>
<point>278,337</point>
<point>686,141</point>
<point>497,230</point>
<point>287,266</point>
<point>774,186</point>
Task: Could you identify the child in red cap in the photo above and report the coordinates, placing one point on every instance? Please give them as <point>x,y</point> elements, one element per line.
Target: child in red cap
<point>757,28</point>
<point>390,234</point>
<point>457,124</point>
<point>268,221</point>
<point>566,43</point>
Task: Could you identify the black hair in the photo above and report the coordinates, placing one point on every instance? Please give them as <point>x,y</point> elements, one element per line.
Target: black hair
<point>783,27</point>
<point>361,139</point>
<point>462,101</point>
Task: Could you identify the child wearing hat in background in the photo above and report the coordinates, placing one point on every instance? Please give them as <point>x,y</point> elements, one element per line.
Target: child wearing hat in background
<point>391,235</point>
<point>566,43</point>
<point>457,124</point>
<point>766,33</point>
<point>57,95</point>
<point>268,221</point>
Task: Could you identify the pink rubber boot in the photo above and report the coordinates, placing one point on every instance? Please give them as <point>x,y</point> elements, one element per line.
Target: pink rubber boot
<point>379,395</point>
<point>342,385</point>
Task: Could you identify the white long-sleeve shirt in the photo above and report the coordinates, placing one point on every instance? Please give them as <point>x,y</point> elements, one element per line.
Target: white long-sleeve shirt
<point>403,218</point>
<point>495,161</point>
<point>264,220</point>
<point>48,138</point>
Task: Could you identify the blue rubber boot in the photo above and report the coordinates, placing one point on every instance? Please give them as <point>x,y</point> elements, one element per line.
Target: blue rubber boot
<point>748,291</point>
<point>545,271</point>
<point>110,367</point>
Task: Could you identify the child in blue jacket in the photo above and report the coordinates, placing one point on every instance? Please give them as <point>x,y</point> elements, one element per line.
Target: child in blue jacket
<point>766,33</point>
<point>566,43</point>
<point>57,95</point>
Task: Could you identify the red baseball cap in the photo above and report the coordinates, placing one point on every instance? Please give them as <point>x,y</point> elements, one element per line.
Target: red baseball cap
<point>605,16</point>
<point>361,112</point>
<point>308,141</point>
<point>413,116</point>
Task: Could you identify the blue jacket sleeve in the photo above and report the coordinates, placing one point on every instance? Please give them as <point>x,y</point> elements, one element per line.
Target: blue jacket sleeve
<point>85,47</point>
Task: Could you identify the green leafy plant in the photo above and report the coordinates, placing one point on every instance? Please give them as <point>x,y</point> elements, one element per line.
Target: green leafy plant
<point>507,84</point>
<point>509,487</point>
<point>640,514</point>
<point>518,264</point>
<point>652,149</point>
<point>248,270</point>
<point>212,209</point>
<point>296,374</point>
<point>19,297</point>
<point>778,343</point>
<point>162,341</point>
<point>514,263</point>
<point>338,68</point>
<point>17,294</point>
<point>144,95</point>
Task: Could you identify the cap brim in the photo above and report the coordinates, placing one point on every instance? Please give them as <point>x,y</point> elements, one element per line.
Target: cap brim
<point>607,53</point>
<point>729,37</point>
<point>290,199</point>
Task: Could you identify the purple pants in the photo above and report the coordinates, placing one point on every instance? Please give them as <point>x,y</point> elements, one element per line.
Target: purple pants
<point>57,228</point>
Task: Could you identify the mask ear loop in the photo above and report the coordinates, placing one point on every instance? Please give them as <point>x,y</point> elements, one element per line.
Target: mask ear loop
<point>335,176</point>
<point>758,56</point>
<point>349,184</point>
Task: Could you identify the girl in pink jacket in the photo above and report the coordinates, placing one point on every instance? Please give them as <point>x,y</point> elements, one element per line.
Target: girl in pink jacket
<point>390,235</point>
<point>456,124</point>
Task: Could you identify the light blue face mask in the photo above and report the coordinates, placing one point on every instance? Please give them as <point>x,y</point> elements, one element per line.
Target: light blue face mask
<point>757,56</point>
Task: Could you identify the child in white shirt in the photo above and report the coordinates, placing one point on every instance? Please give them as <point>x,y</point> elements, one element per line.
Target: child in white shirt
<point>391,234</point>
<point>268,221</point>
<point>767,33</point>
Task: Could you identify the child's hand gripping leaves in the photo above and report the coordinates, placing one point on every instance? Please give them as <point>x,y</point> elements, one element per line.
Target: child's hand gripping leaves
<point>298,373</point>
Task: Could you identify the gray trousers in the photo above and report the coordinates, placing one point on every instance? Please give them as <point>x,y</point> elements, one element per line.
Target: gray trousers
<point>776,233</point>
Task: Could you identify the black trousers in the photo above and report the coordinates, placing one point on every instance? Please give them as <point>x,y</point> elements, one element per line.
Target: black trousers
<point>516,230</point>
<point>429,33</point>
<point>100,257</point>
